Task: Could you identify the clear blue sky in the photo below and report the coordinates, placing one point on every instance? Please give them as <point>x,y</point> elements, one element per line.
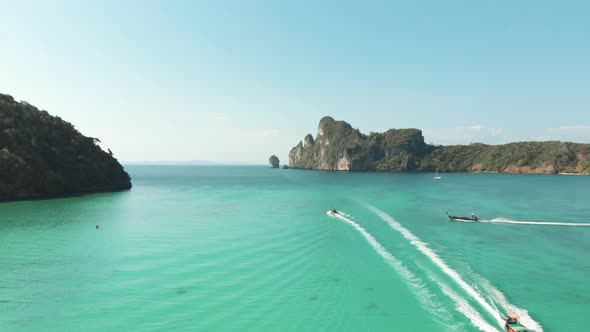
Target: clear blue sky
<point>237,80</point>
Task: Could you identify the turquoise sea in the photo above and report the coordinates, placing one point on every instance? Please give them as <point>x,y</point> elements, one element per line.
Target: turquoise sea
<point>233,248</point>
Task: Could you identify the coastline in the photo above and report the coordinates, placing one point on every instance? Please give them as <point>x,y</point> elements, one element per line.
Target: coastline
<point>68,195</point>
<point>426,172</point>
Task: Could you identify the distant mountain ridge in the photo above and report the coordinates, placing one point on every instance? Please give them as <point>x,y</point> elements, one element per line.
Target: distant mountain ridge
<point>172,162</point>
<point>339,147</point>
<point>43,156</point>
<point>190,163</point>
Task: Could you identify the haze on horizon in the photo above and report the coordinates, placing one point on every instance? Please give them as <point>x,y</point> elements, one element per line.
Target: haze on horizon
<point>238,81</point>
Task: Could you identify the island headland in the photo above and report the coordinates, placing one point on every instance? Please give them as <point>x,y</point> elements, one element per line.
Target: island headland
<point>339,147</point>
<point>43,156</point>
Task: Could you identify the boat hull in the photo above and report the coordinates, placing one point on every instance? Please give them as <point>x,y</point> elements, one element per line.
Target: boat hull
<point>462,218</point>
<point>517,328</point>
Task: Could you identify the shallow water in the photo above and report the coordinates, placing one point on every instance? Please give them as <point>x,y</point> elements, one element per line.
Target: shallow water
<point>216,248</point>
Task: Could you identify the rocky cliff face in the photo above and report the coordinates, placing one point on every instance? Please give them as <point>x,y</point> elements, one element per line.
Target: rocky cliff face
<point>339,147</point>
<point>44,156</point>
<point>273,161</point>
<point>329,150</point>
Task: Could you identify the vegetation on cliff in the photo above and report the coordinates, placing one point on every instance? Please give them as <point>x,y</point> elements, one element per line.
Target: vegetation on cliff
<point>340,147</point>
<point>44,156</point>
<point>520,157</point>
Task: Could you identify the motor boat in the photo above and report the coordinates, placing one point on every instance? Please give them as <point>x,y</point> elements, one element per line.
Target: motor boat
<point>470,218</point>
<point>513,325</point>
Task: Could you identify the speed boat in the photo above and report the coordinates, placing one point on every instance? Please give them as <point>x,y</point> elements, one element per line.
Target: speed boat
<point>470,218</point>
<point>513,325</point>
<point>333,211</point>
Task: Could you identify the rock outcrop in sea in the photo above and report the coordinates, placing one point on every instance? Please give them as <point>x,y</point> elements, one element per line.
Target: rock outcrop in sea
<point>43,156</point>
<point>273,161</point>
<point>339,147</point>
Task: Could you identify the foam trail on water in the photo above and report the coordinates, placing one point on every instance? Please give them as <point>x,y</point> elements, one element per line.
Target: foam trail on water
<point>461,304</point>
<point>548,223</point>
<point>423,248</point>
<point>501,299</point>
<point>426,298</point>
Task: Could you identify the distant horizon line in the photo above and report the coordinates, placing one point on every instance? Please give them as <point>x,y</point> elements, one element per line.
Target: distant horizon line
<point>192,163</point>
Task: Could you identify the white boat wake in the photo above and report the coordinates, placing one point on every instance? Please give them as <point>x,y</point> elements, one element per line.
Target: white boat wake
<point>545,223</point>
<point>498,297</point>
<point>426,298</point>
<point>461,304</point>
<point>444,267</point>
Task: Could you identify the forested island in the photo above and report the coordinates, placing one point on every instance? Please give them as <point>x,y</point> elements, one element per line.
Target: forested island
<point>43,156</point>
<point>339,147</point>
